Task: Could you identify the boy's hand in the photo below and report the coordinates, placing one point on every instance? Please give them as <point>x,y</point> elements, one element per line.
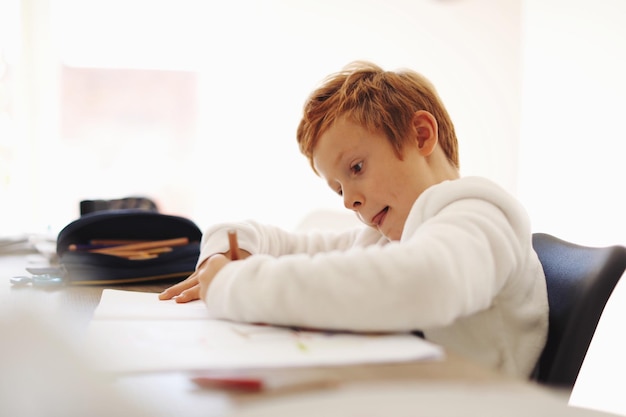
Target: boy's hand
<point>184,291</point>
<point>190,288</point>
<point>208,270</point>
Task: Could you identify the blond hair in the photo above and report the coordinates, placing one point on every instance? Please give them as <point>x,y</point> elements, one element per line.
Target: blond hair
<point>380,101</point>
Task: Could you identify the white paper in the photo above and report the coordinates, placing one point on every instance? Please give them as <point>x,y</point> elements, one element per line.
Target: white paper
<point>133,305</point>
<point>155,343</point>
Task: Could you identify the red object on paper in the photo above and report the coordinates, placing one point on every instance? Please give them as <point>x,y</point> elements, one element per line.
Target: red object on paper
<point>236,384</point>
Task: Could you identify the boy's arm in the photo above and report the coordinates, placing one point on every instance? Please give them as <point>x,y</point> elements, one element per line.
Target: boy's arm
<point>452,266</point>
<point>262,239</point>
<point>257,238</point>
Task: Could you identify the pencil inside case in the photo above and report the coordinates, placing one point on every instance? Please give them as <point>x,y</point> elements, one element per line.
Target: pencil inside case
<point>83,267</point>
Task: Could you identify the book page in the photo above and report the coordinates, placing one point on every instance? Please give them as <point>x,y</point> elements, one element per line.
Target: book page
<point>133,305</point>
<point>156,338</point>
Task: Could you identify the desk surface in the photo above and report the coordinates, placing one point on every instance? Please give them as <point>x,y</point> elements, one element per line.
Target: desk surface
<point>447,387</point>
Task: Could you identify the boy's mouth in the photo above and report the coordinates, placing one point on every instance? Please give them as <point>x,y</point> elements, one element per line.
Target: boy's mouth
<point>378,219</point>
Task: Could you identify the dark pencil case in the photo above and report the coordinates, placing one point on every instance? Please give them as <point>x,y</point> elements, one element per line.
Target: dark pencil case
<point>80,266</point>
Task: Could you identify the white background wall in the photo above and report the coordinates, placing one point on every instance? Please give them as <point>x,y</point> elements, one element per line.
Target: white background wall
<point>572,170</point>
<point>533,86</point>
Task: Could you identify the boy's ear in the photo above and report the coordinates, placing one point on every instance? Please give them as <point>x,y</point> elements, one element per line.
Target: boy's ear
<point>426,131</point>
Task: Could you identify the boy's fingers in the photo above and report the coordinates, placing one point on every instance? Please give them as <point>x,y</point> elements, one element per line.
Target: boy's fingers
<point>188,295</point>
<point>189,289</point>
<point>166,294</point>
<point>178,289</point>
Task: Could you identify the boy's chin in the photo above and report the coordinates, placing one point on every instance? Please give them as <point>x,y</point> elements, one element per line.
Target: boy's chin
<point>388,234</point>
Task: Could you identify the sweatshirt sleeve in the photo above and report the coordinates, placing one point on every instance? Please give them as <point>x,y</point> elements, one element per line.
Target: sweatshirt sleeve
<point>454,257</point>
<point>258,238</point>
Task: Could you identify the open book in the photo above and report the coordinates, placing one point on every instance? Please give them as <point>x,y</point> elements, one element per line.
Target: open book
<point>134,331</point>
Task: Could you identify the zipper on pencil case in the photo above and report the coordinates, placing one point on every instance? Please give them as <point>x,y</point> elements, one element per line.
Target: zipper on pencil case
<point>53,273</point>
<point>135,280</point>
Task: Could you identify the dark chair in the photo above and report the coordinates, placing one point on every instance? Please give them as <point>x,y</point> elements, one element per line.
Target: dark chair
<point>580,280</point>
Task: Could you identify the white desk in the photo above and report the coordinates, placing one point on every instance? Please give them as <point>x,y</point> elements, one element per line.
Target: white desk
<point>42,375</point>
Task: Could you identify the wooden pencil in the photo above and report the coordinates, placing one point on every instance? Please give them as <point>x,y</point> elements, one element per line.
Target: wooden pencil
<point>111,242</point>
<point>143,246</point>
<point>234,246</point>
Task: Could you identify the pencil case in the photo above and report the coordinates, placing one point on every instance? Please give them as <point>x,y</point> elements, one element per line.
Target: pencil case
<point>86,248</point>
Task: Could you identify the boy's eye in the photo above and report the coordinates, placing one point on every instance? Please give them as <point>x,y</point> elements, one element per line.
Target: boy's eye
<point>356,168</point>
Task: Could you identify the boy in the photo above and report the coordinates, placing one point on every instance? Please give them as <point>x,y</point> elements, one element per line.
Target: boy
<point>446,255</point>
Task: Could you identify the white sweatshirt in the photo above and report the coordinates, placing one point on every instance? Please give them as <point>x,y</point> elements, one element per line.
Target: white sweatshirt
<point>464,272</point>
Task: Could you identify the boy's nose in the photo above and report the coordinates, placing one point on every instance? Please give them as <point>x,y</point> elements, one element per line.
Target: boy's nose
<point>351,202</point>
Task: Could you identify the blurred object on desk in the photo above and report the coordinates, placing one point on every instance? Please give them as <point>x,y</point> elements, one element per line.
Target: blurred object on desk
<point>24,244</point>
<point>43,375</point>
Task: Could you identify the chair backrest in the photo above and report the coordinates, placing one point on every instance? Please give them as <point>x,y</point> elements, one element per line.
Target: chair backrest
<point>580,280</point>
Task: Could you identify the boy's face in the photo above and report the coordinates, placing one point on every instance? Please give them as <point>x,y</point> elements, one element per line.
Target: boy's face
<point>363,168</point>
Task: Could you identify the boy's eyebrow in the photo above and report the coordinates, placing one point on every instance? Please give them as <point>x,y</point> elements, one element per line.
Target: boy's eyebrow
<point>335,162</point>
<point>339,157</point>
